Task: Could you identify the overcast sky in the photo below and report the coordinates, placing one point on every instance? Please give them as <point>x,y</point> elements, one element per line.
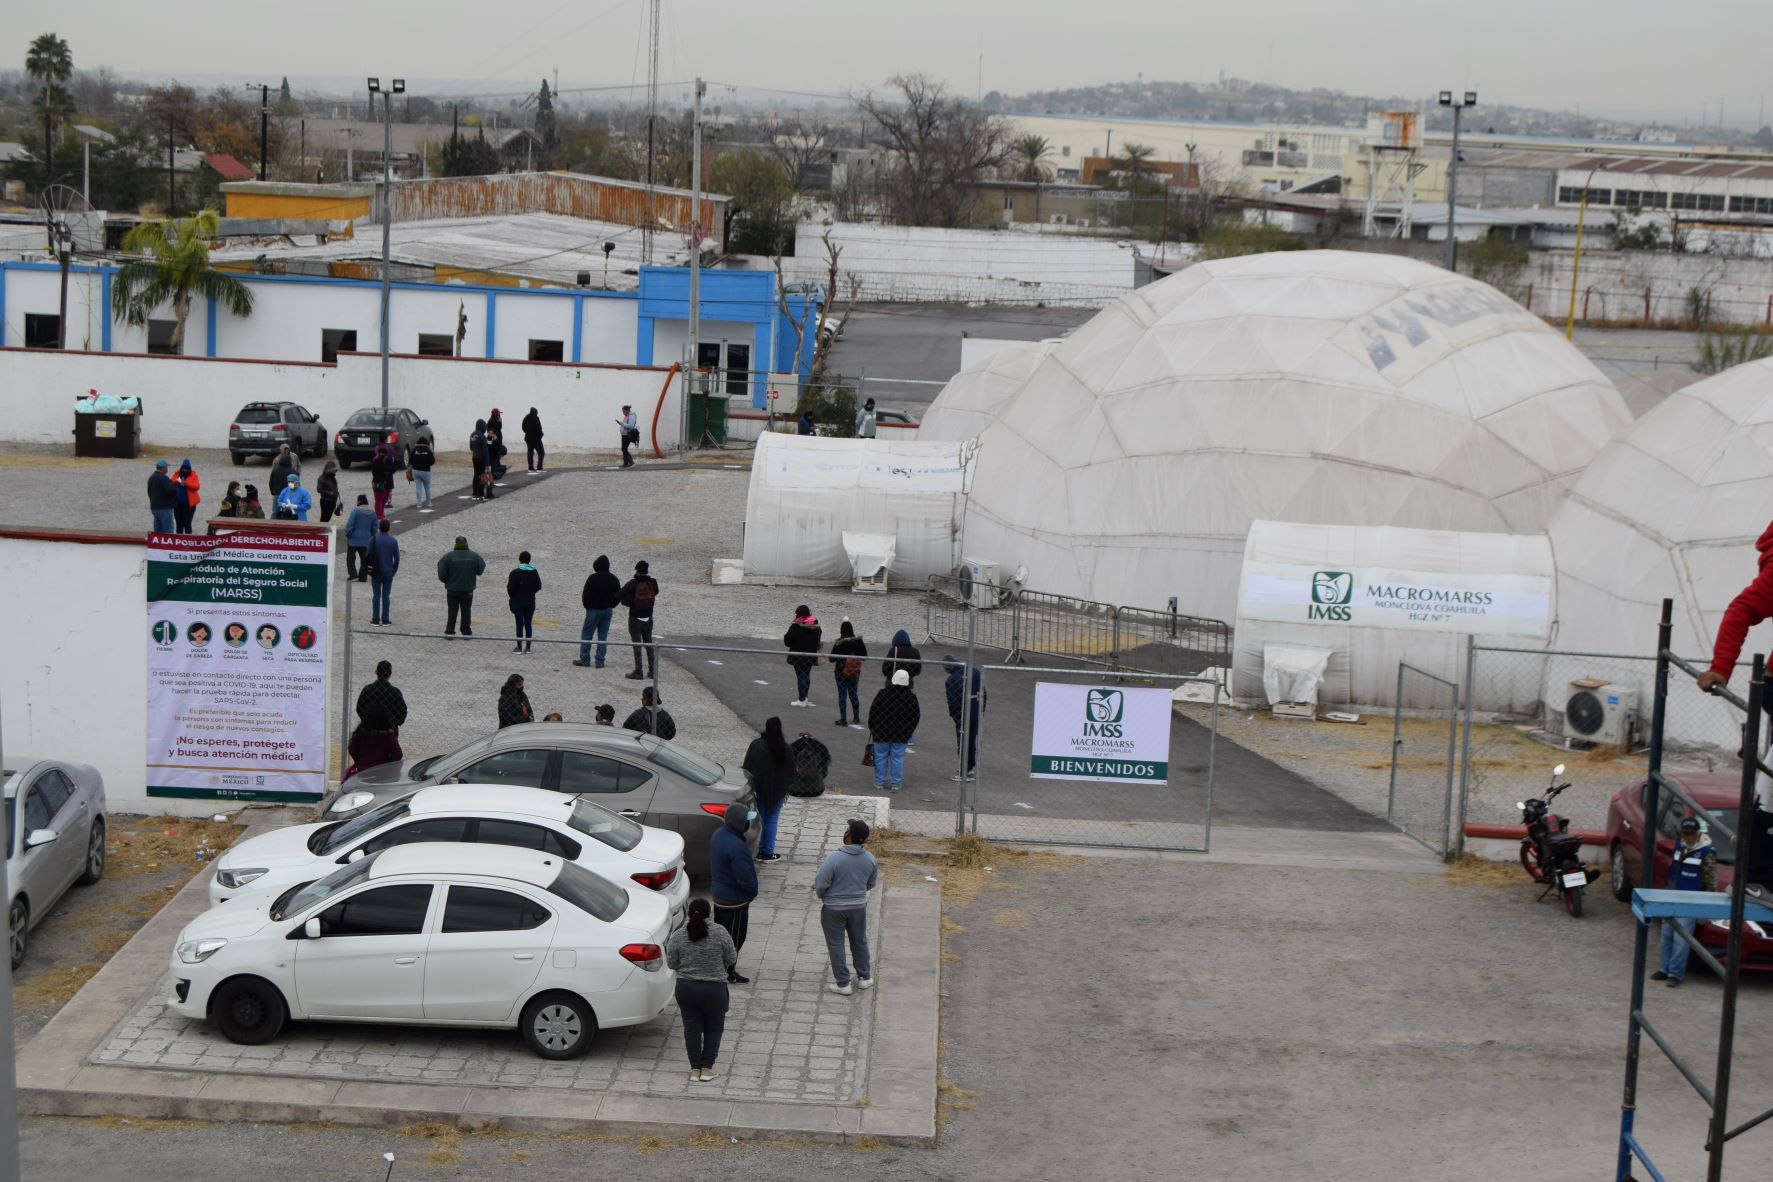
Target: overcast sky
<point>1623,56</point>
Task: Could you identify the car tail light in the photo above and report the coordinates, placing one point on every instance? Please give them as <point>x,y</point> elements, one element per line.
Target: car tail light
<point>656,881</point>
<point>338,437</point>
<point>715,810</point>
<point>233,426</point>
<point>648,956</point>
<point>393,437</point>
<point>281,427</point>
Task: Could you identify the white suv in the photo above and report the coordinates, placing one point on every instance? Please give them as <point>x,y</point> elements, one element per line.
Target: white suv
<point>433,934</point>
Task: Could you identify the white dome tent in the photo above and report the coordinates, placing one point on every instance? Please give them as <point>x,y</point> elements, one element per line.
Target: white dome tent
<point>1671,510</point>
<point>1310,386</point>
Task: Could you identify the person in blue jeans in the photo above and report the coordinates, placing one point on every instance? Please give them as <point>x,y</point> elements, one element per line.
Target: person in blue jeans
<point>521,587</point>
<point>382,561</point>
<point>163,496</point>
<point>1693,868</point>
<point>601,594</point>
<point>770,768</point>
<point>846,664</point>
<point>892,720</point>
<point>845,877</point>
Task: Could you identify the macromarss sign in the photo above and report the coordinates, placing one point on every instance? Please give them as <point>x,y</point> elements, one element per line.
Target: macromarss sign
<point>237,650</point>
<point>1084,732</point>
<point>1473,604</point>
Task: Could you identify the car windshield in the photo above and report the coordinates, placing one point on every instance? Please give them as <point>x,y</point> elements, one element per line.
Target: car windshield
<point>683,761</point>
<point>362,826</point>
<point>1723,844</point>
<point>589,892</point>
<point>612,829</point>
<point>370,418</point>
<point>298,899</point>
<point>459,755</point>
<point>257,414</point>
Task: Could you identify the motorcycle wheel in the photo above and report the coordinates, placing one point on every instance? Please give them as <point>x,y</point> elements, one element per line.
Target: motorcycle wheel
<point>1530,861</point>
<point>1573,901</point>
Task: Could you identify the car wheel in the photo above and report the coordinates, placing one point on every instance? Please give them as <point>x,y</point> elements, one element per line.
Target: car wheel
<point>405,457</point>
<point>344,461</point>
<point>320,447</point>
<point>18,922</point>
<point>1617,878</point>
<point>239,460</point>
<point>248,1010</point>
<point>558,1026</point>
<point>95,855</point>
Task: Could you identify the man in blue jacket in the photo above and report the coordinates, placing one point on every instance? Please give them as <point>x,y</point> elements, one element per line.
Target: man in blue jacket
<point>162,498</point>
<point>360,531</point>
<point>956,694</point>
<point>734,877</point>
<point>1694,867</point>
<point>383,562</point>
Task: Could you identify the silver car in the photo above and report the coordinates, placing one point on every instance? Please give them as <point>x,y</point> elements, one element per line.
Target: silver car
<point>55,837</point>
<point>651,780</point>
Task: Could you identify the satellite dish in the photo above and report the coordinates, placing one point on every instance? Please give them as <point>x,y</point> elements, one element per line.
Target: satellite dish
<point>59,204</point>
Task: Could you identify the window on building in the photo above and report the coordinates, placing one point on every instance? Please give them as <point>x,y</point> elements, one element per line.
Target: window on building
<point>540,350</point>
<point>1572,195</point>
<point>436,344</point>
<point>160,336</point>
<point>1065,150</point>
<point>334,341</point>
<point>1751,205</point>
<point>43,331</point>
<point>1009,202</point>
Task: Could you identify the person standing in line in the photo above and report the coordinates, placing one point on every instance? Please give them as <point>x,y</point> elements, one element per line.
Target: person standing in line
<point>459,571</point>
<point>495,444</point>
<point>294,502</point>
<point>184,508</point>
<point>521,587</point>
<point>601,593</point>
<point>892,720</point>
<point>381,712</point>
<point>163,499</point>
<point>703,957</point>
<point>957,701</point>
<point>1694,867</point>
<point>803,640</point>
<point>419,462</point>
<point>534,454</point>
<point>650,718</point>
<point>249,506</point>
<point>770,767</point>
<point>638,595</point>
<point>806,426</point>
<point>381,478</point>
<point>733,882</point>
<point>630,433</point>
<point>328,488</point>
<point>283,465</point>
<point>904,655</point>
<point>865,421</point>
<point>481,486</point>
<point>605,715</point>
<point>846,660</point>
<point>232,500</point>
<point>382,562</point>
<point>514,703</point>
<point>360,531</point>
<point>842,884</point>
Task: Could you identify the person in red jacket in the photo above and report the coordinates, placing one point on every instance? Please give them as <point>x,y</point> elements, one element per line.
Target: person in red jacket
<point>1752,604</point>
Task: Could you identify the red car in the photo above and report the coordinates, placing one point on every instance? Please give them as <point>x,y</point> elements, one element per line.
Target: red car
<point>1625,830</point>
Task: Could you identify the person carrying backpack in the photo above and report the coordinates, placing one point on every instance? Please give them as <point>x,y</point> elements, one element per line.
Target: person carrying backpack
<point>638,596</point>
<point>846,662</point>
<point>803,641</point>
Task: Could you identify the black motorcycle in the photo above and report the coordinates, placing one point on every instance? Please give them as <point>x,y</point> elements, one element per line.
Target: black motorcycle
<point>1550,853</point>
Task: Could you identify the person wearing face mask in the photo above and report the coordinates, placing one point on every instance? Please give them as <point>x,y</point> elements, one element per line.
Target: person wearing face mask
<point>733,877</point>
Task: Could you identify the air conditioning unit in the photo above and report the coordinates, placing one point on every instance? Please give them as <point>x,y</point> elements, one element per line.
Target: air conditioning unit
<point>981,583</point>
<point>1599,712</point>
<point>875,583</point>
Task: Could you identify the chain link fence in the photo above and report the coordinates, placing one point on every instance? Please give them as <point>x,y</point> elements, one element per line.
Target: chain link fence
<point>1424,754</point>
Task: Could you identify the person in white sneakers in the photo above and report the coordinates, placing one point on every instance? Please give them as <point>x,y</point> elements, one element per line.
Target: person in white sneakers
<point>845,877</point>
<point>803,640</point>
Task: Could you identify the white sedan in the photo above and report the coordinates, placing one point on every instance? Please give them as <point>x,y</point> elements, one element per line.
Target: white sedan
<point>431,934</point>
<point>577,829</point>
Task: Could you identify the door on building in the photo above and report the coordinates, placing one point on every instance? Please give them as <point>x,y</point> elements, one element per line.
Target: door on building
<point>738,370</point>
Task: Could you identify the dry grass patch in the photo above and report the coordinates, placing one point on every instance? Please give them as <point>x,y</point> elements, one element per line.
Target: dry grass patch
<point>866,1144</point>
<point>651,1144</point>
<point>147,845</point>
<point>1010,919</point>
<point>52,987</point>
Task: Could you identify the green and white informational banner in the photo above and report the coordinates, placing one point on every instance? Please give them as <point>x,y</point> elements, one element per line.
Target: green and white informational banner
<point>237,652</point>
<point>1085,732</point>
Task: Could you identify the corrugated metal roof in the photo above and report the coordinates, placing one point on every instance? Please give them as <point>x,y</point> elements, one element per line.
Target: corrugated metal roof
<point>227,167</point>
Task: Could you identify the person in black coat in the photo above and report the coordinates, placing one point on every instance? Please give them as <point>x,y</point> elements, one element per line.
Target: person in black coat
<point>892,720</point>
<point>803,641</point>
<point>601,593</point>
<point>846,663</point>
<point>514,703</point>
<point>770,768</point>
<point>521,587</point>
<point>651,718</point>
<point>533,451</point>
<point>478,451</point>
<point>328,488</point>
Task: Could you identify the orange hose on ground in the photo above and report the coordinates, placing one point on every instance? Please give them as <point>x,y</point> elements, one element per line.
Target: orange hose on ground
<point>676,366</point>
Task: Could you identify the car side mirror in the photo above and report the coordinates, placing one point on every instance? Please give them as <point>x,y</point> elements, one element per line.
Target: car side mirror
<point>311,929</point>
<point>37,837</point>
<point>424,422</point>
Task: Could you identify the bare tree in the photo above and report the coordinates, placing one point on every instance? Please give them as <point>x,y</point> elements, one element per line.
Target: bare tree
<point>824,329</point>
<point>941,146</point>
<point>802,148</point>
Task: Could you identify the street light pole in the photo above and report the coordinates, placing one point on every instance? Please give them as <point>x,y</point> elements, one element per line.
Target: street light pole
<point>1469,100</point>
<point>398,86</point>
<point>264,131</point>
<point>695,275</point>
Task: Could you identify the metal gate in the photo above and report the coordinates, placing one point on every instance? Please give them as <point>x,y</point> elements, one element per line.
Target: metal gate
<point>1424,750</point>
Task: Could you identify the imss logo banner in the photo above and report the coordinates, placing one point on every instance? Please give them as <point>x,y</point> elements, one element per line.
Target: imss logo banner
<point>1084,732</point>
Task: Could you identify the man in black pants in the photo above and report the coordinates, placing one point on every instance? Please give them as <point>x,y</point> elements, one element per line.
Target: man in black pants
<point>459,571</point>
<point>733,880</point>
<point>638,595</point>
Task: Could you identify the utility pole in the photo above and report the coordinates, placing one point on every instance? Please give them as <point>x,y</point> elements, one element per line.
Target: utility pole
<point>652,118</point>
<point>398,86</point>
<point>264,131</point>
<point>695,275</point>
<point>86,170</point>
<point>1470,100</point>
<point>172,196</point>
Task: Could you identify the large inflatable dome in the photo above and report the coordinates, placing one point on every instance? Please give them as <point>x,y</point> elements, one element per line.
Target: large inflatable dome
<point>1309,386</point>
<point>1673,509</point>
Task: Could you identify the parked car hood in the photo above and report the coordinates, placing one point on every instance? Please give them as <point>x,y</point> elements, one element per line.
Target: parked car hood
<point>239,917</point>
<point>278,848</point>
<point>383,775</point>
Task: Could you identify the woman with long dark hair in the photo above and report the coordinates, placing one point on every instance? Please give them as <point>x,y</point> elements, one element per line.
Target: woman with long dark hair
<point>702,955</point>
<point>514,703</point>
<point>770,768</point>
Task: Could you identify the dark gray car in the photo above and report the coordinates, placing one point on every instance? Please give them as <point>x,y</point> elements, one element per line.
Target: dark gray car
<point>655,782</point>
<point>262,428</point>
<point>397,426</point>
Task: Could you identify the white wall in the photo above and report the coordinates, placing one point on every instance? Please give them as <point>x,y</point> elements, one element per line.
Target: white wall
<point>522,318</point>
<point>610,328</point>
<point>287,319</point>
<point>189,400</point>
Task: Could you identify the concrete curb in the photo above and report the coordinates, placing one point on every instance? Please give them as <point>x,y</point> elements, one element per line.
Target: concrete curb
<point>55,1078</point>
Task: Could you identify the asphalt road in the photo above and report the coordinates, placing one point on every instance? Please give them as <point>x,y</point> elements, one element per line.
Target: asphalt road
<point>1248,790</point>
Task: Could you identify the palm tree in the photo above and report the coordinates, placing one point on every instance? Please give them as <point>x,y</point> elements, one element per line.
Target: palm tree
<point>176,268</point>
<point>1133,159</point>
<point>51,62</point>
<point>1032,152</point>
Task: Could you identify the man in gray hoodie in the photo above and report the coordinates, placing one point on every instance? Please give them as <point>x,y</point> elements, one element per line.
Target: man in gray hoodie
<point>845,877</point>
